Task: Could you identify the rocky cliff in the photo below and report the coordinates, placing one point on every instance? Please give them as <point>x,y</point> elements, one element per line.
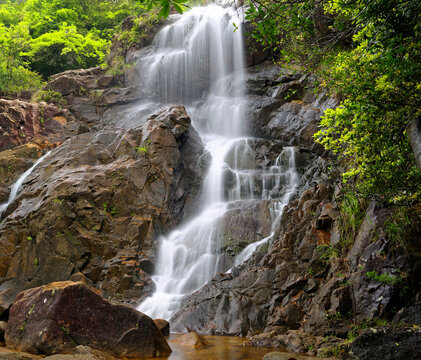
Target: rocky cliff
<point>96,205</point>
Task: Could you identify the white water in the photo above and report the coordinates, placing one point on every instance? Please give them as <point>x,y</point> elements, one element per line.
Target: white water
<point>198,61</point>
<point>17,186</point>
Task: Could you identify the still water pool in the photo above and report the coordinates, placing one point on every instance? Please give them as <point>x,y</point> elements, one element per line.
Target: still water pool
<point>224,348</point>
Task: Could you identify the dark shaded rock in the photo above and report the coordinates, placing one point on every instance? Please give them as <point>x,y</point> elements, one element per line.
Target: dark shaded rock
<point>3,326</point>
<point>163,326</point>
<point>388,344</point>
<point>56,317</point>
<point>255,51</point>
<point>191,340</point>
<point>244,223</point>
<point>284,105</point>
<point>409,315</point>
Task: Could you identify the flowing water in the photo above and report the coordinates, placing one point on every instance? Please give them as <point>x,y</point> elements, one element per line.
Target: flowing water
<point>17,186</point>
<point>198,61</point>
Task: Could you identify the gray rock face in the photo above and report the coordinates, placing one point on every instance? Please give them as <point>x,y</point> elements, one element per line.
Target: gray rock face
<point>97,204</point>
<point>285,106</point>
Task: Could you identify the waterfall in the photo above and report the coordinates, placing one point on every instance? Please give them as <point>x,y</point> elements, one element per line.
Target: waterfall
<point>16,187</point>
<point>198,61</point>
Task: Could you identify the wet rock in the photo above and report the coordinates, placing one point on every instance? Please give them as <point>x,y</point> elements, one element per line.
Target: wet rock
<point>243,224</point>
<point>274,278</point>
<point>14,355</point>
<point>275,355</point>
<point>13,163</point>
<point>284,106</point>
<point>54,318</point>
<point>395,344</point>
<point>191,340</point>
<point>163,326</point>
<point>98,203</point>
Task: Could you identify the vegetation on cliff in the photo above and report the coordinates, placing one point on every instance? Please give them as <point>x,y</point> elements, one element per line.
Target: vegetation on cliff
<point>368,53</point>
<point>39,38</point>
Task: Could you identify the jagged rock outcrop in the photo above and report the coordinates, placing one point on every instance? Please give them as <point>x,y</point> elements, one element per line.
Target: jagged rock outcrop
<point>296,290</point>
<point>96,205</point>
<point>57,317</point>
<point>286,106</point>
<point>90,92</point>
<point>22,121</point>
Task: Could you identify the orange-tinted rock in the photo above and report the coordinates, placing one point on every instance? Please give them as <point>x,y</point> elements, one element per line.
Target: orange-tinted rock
<point>191,340</point>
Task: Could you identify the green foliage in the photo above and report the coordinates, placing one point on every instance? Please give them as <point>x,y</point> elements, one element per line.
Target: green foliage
<point>327,252</point>
<point>368,53</point>
<point>386,278</point>
<point>380,83</point>
<point>65,49</point>
<point>49,96</point>
<point>39,38</point>
<point>352,210</point>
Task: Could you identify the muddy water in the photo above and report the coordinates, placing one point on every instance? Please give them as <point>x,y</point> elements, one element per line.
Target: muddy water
<point>224,348</point>
<point>220,348</point>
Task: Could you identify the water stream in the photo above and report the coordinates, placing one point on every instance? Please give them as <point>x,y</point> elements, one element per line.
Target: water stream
<point>17,186</point>
<point>198,61</point>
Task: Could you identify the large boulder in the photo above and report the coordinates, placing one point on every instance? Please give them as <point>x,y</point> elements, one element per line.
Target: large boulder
<point>57,317</point>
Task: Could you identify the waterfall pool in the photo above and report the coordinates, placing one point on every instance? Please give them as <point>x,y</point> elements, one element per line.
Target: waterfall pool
<point>225,348</point>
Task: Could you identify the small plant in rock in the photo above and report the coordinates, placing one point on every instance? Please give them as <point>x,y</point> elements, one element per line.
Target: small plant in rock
<point>386,278</point>
<point>58,201</point>
<point>143,149</point>
<point>113,211</point>
<point>327,252</point>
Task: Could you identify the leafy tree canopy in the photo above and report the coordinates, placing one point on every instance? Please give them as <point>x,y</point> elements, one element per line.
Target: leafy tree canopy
<point>368,53</point>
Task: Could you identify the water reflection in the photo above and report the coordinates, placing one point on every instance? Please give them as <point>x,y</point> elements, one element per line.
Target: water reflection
<point>224,348</point>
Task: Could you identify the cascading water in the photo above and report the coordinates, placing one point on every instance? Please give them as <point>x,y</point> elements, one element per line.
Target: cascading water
<point>198,61</point>
<point>16,187</point>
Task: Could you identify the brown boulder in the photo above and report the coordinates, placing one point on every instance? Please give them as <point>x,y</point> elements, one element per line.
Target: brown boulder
<point>163,326</point>
<point>191,340</point>
<point>54,318</point>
